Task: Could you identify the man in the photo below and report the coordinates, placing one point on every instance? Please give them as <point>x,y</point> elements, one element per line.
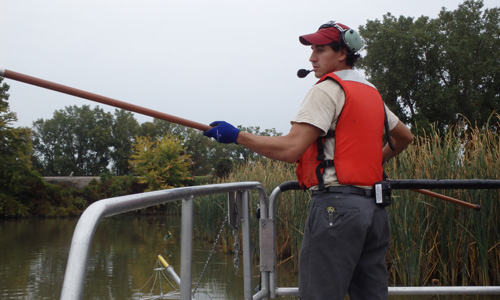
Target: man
<point>336,137</point>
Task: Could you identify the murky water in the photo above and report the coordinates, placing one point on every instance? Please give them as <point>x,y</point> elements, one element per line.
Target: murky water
<point>124,253</point>
<point>122,260</point>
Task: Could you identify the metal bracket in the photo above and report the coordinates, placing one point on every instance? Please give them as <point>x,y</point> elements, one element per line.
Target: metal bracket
<point>267,246</point>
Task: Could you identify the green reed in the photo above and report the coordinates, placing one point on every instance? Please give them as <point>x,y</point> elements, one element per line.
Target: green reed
<point>291,206</point>
<point>436,242</point>
<point>432,241</point>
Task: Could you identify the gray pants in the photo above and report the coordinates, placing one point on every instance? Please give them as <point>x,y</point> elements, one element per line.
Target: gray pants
<point>346,238</point>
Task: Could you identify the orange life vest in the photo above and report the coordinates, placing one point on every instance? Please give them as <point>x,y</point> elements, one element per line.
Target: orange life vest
<point>358,140</point>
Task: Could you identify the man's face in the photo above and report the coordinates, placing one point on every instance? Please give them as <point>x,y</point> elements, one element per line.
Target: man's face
<point>324,60</point>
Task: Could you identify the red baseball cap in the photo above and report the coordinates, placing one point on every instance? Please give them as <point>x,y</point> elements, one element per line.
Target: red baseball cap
<point>325,35</point>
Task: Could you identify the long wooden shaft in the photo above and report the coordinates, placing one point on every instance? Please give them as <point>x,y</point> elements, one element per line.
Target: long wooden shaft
<point>446,198</point>
<point>101,99</point>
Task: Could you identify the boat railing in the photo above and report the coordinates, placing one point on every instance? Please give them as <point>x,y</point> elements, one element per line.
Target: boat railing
<point>239,193</point>
<point>267,236</point>
<point>76,268</point>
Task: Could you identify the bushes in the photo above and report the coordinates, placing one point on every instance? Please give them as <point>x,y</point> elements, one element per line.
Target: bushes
<point>111,186</point>
<point>41,199</point>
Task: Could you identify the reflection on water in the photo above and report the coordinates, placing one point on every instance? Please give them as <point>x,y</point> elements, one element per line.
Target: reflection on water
<point>34,254</point>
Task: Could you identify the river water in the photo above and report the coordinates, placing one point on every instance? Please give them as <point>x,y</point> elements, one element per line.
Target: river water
<point>124,253</point>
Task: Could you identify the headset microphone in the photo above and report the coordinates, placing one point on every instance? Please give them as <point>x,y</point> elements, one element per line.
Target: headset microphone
<point>303,73</point>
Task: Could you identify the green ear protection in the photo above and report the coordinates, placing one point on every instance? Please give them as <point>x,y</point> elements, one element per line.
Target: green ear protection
<point>349,38</point>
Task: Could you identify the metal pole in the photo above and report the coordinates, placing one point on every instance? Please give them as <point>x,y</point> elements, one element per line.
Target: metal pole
<point>74,277</point>
<point>264,272</point>
<point>273,281</point>
<point>467,184</point>
<point>247,255</point>
<point>101,99</point>
<point>419,290</point>
<point>186,248</point>
<point>170,270</point>
<point>445,290</point>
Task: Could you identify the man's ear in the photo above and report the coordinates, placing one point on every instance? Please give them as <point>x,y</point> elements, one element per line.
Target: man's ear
<point>343,55</point>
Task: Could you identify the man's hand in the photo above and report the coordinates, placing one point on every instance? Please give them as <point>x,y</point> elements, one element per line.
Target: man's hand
<point>222,132</point>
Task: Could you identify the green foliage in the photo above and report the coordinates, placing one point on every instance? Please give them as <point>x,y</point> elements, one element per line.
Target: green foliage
<point>76,140</point>
<point>224,167</point>
<point>15,164</point>
<point>160,164</point>
<point>22,191</point>
<point>200,149</point>
<point>434,239</point>
<point>50,200</point>
<point>158,128</point>
<point>64,144</point>
<point>437,70</point>
<point>123,132</point>
<point>15,147</point>
<point>292,206</point>
<point>111,186</point>
<point>218,153</point>
<point>205,153</point>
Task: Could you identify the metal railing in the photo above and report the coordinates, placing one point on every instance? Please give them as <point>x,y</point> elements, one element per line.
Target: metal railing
<point>76,269</point>
<point>269,288</point>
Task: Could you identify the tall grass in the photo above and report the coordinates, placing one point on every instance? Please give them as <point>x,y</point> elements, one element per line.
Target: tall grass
<point>432,241</point>
<point>435,241</point>
<point>291,205</point>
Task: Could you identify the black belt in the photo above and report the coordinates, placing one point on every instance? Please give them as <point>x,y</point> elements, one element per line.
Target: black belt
<point>347,190</point>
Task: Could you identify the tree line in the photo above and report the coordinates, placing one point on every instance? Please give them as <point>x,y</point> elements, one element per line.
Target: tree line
<point>437,72</point>
<point>433,73</point>
<point>86,142</point>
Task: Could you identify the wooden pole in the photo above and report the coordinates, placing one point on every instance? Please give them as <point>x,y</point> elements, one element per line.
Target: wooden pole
<point>446,198</point>
<point>101,99</point>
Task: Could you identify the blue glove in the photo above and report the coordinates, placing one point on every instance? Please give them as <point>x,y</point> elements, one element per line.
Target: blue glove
<point>222,132</point>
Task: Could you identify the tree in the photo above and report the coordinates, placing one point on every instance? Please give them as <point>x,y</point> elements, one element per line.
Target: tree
<point>160,163</point>
<point>88,142</point>
<point>123,132</point>
<point>224,167</point>
<point>206,154</point>
<point>193,142</point>
<point>16,172</point>
<point>437,71</point>
<point>158,128</point>
<point>199,149</point>
<point>76,140</point>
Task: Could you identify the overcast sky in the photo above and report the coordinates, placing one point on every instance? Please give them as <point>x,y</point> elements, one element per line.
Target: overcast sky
<point>200,60</point>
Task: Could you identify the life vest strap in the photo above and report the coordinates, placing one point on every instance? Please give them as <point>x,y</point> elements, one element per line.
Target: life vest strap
<point>321,166</point>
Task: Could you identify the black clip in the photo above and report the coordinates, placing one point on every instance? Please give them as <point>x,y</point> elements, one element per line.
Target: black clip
<point>383,193</point>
